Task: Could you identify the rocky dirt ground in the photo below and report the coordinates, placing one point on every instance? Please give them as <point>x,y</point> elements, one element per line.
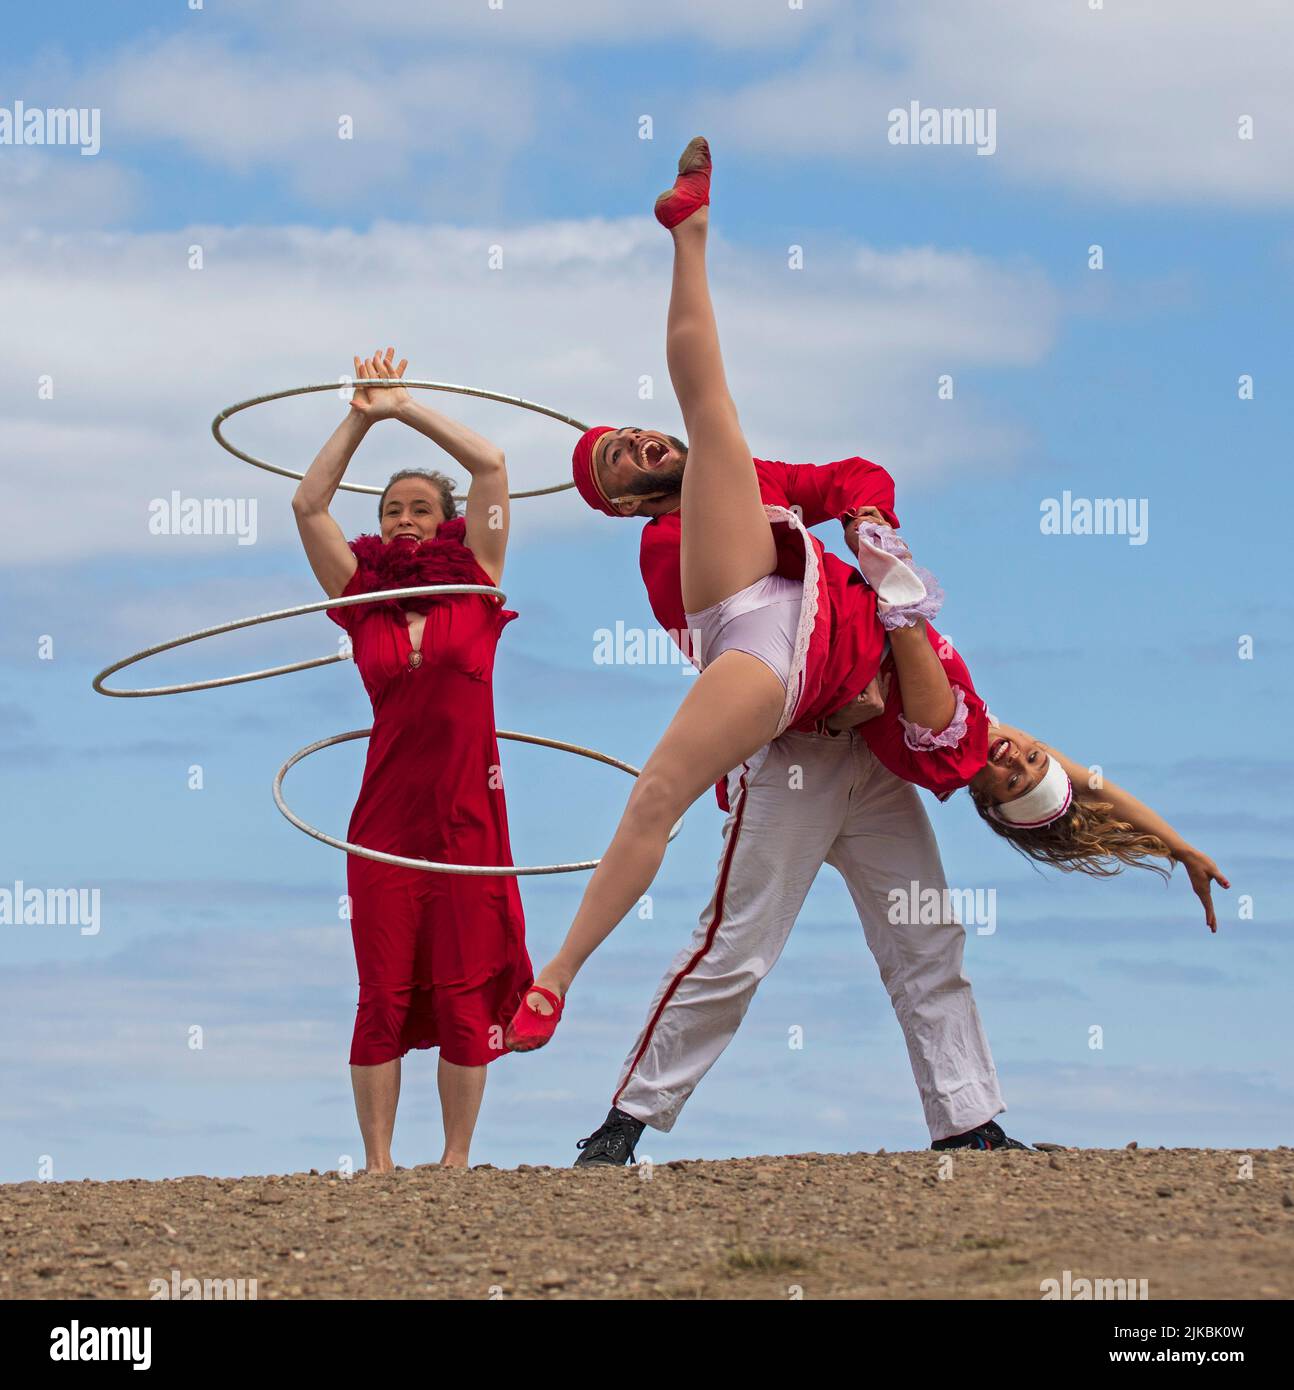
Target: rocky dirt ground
<point>809,1225</point>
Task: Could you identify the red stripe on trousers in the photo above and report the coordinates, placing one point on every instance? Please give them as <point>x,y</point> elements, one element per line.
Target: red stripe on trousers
<point>709,939</point>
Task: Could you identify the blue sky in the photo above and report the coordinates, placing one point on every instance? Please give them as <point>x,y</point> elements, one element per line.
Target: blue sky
<point>520,128</point>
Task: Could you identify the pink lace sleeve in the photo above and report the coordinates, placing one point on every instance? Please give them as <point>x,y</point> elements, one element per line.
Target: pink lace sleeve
<point>923,740</point>
<point>886,537</point>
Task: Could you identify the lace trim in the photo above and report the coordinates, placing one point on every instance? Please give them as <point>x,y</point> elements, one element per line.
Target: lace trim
<point>906,614</point>
<point>922,740</point>
<point>885,538</point>
<point>808,615</point>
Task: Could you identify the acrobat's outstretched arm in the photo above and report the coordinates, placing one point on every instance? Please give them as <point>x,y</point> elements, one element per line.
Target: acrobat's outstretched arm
<point>1200,869</point>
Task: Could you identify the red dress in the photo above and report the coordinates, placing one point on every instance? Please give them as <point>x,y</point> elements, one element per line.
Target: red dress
<point>442,957</point>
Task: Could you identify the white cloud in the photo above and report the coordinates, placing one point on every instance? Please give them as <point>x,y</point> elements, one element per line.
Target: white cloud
<point>1136,99</point>
<point>61,190</point>
<point>555,23</point>
<point>456,120</point>
<point>839,358</point>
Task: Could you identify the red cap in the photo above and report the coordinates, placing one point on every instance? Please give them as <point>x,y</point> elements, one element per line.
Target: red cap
<point>586,482</point>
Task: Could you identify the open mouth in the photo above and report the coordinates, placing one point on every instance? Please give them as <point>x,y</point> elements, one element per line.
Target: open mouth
<point>405,536</point>
<point>652,453</point>
<point>1000,751</point>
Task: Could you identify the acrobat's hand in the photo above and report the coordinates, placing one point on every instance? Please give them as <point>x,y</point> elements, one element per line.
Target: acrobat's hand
<point>873,515</point>
<point>386,401</point>
<point>1203,873</point>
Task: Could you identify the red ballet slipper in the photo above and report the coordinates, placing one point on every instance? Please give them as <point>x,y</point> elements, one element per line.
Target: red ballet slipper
<point>692,187</point>
<point>530,1029</point>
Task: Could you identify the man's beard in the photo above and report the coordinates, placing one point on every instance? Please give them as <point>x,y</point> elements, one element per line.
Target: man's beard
<point>663,480</point>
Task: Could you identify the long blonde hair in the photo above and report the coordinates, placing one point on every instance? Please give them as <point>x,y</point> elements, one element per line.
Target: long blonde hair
<point>1088,839</point>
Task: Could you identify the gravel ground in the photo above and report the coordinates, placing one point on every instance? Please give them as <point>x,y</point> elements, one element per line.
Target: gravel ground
<point>809,1225</point>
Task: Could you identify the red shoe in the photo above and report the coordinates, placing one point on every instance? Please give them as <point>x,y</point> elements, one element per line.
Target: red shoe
<point>692,187</point>
<point>530,1029</point>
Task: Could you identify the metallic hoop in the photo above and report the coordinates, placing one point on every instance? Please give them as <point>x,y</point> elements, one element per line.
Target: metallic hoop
<point>386,383</point>
<point>493,871</point>
<point>300,609</point>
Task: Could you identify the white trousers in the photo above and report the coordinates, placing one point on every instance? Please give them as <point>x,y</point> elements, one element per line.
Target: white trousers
<point>805,800</point>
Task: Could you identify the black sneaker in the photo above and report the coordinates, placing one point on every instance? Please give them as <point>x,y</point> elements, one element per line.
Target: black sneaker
<point>613,1144</point>
<point>986,1136</point>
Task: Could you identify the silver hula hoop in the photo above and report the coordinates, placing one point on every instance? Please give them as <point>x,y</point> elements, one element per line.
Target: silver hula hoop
<point>300,609</point>
<point>386,383</point>
<point>493,871</point>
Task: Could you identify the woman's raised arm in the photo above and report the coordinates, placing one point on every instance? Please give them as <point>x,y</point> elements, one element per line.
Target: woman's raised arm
<point>325,544</point>
<point>924,687</point>
<point>487,498</point>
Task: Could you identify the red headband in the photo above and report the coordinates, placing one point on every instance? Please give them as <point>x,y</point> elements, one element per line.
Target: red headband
<point>586,482</point>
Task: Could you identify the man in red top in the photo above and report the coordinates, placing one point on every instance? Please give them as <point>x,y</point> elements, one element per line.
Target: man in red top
<point>816,794</point>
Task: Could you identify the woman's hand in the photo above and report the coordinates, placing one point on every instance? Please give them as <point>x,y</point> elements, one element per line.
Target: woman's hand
<point>387,400</point>
<point>873,515</point>
<point>1203,873</point>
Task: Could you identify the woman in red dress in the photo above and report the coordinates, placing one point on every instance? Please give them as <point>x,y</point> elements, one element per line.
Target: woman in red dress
<point>442,957</point>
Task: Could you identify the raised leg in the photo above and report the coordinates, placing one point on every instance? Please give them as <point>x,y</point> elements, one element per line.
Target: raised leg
<point>727,543</point>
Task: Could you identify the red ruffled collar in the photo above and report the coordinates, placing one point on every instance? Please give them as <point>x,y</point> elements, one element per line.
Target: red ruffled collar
<point>443,559</point>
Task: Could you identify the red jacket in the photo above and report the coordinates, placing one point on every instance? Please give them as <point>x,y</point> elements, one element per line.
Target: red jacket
<point>848,642</point>
<point>850,652</point>
<point>938,768</point>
